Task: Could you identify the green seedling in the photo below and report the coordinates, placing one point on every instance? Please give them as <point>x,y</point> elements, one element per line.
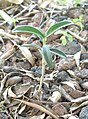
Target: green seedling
<point>65,36</point>
<point>78,21</point>
<point>45,50</point>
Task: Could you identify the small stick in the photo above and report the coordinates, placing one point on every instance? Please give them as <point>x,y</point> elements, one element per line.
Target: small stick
<point>2,33</point>
<point>34,105</point>
<point>80,39</point>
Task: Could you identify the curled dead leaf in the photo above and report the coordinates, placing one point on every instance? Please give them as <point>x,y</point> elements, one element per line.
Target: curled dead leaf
<point>5,94</point>
<point>10,93</point>
<point>13,80</point>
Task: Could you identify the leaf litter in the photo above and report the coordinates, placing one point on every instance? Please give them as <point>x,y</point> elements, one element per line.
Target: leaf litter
<point>65,91</point>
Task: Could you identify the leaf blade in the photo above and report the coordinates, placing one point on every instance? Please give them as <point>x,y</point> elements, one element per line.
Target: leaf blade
<point>29,29</point>
<point>47,56</point>
<point>58,52</point>
<point>57,26</point>
<point>32,45</point>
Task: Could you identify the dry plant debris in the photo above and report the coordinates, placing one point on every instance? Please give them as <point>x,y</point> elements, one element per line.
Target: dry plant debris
<point>65,88</point>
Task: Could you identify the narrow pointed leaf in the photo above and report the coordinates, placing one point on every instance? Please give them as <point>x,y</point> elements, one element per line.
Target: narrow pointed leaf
<point>32,45</point>
<point>57,26</point>
<point>58,52</point>
<point>47,56</point>
<point>29,29</point>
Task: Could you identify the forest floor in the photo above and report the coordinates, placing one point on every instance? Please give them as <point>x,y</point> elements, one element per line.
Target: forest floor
<point>64,93</point>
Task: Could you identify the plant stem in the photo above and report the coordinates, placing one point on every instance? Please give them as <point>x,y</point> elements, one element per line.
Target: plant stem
<point>43,72</point>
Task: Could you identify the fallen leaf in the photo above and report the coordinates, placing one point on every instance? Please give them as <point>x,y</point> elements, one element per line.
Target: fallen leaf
<point>15,1</point>
<point>22,109</point>
<point>10,93</point>
<point>76,106</point>
<point>84,85</point>
<point>6,17</point>
<point>44,3</point>
<point>77,59</point>
<point>5,94</point>
<point>38,117</point>
<point>27,54</point>
<point>69,83</point>
<point>73,117</point>
<point>80,99</point>
<point>55,96</point>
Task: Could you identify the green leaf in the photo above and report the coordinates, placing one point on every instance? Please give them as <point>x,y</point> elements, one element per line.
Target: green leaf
<point>32,45</point>
<point>47,56</point>
<point>58,52</point>
<point>57,26</point>
<point>70,38</point>
<point>63,39</point>
<point>29,29</point>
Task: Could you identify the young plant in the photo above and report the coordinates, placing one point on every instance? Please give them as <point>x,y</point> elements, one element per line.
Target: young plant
<point>45,50</point>
<point>65,36</point>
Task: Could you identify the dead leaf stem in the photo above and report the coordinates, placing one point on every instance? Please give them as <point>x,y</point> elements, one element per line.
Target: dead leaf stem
<point>38,107</point>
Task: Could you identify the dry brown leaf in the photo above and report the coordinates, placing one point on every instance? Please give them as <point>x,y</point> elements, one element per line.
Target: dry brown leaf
<point>64,93</point>
<point>21,90</point>
<point>6,17</point>
<point>45,3</point>
<point>27,54</point>
<point>13,80</point>
<point>55,96</point>
<point>10,93</point>
<point>38,117</point>
<point>15,1</point>
<point>70,84</point>
<point>5,94</point>
<point>73,117</point>
<point>80,99</point>
<point>22,109</point>
<point>85,85</point>
<point>77,58</point>
<point>39,107</point>
<point>76,106</point>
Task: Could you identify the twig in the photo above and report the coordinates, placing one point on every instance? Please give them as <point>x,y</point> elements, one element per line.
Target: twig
<point>43,72</point>
<point>84,61</point>
<point>34,105</point>
<point>30,8</point>
<point>7,54</point>
<point>2,33</point>
<point>80,39</point>
<point>81,99</point>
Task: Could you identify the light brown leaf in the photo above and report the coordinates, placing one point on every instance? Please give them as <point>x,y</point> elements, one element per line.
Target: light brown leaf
<point>27,54</point>
<point>15,1</point>
<point>22,109</point>
<point>38,117</point>
<point>77,58</point>
<point>10,93</point>
<point>55,96</point>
